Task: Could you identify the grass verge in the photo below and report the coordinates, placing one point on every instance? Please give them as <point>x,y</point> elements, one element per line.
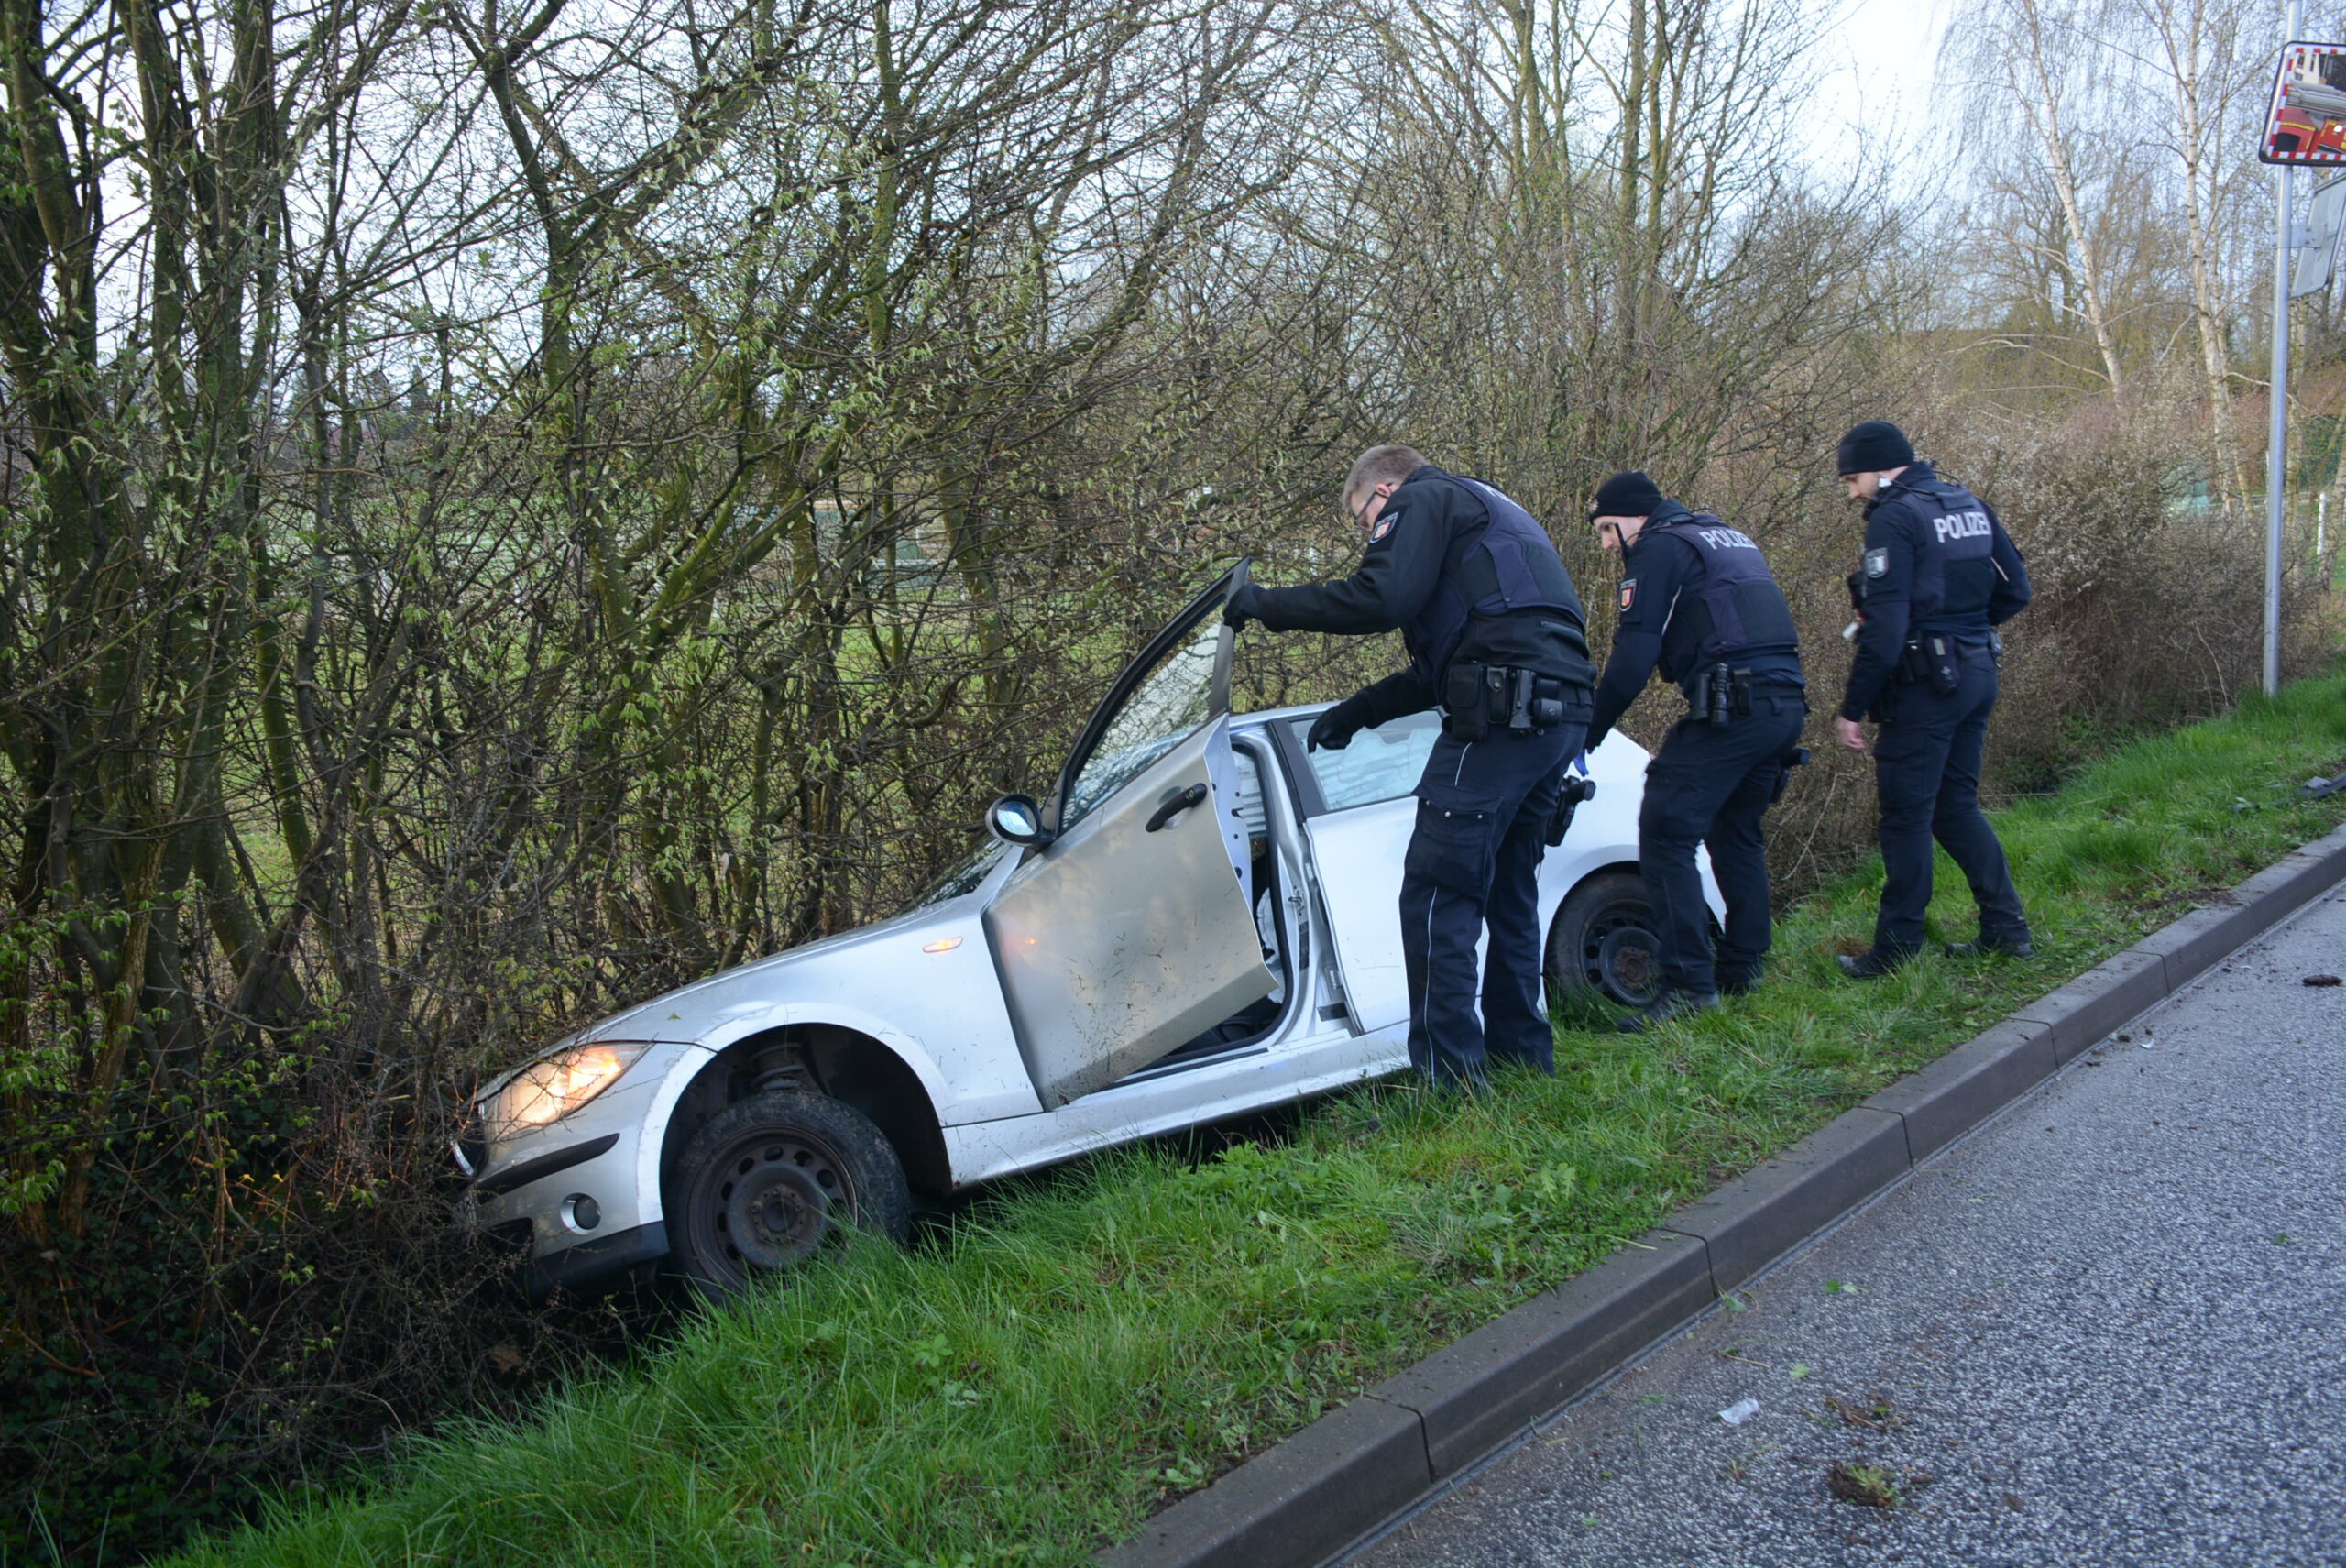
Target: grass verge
<point>1085,1348</point>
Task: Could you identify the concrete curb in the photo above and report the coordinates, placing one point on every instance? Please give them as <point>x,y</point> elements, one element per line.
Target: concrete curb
<point>1346,1473</point>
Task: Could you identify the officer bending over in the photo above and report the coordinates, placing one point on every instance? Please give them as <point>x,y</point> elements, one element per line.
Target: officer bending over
<point>1496,638</point>
<point>1940,570</point>
<point>1697,599</point>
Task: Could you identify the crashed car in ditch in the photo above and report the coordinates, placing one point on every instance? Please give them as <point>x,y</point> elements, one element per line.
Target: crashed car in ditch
<point>1200,922</point>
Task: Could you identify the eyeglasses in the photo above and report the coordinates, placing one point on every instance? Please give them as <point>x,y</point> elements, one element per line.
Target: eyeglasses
<point>1360,513</point>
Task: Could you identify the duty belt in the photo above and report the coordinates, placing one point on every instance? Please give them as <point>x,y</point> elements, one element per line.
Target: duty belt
<point>1718,695</point>
<point>1710,693</point>
<point>1478,699</point>
<point>1936,658</point>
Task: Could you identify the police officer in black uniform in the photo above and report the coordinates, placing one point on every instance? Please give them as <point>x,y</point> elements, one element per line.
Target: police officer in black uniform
<point>1697,599</point>
<point>1939,571</point>
<point>1495,637</point>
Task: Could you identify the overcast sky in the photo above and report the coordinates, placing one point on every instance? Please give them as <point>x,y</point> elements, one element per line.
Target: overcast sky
<point>1883,57</point>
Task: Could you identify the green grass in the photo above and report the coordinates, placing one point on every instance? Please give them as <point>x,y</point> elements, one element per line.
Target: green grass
<point>1082,1348</point>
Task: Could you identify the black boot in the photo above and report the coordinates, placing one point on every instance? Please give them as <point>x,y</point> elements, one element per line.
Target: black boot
<point>1871,964</point>
<point>1738,982</point>
<point>2008,946</point>
<point>1670,1004</point>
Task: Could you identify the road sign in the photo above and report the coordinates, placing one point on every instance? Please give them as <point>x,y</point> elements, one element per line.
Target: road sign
<point>2307,121</point>
<point>2317,257</point>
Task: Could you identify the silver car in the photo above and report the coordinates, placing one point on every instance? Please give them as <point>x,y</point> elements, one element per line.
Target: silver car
<point>1200,922</point>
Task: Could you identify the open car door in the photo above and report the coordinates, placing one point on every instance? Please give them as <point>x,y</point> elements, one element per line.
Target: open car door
<point>1129,933</point>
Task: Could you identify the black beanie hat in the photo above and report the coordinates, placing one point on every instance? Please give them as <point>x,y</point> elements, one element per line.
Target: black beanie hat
<point>1627,495</point>
<point>1870,447</point>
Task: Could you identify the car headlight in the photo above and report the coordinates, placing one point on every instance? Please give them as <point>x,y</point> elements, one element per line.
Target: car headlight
<point>548,1089</point>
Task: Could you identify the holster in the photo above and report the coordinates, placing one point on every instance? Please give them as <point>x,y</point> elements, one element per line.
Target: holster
<point>1795,758</point>
<point>1574,790</point>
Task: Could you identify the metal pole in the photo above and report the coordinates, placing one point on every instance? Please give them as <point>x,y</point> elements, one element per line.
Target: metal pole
<point>2277,433</point>
<point>2277,443</point>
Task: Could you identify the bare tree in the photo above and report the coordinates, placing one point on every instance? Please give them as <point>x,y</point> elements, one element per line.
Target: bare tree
<point>2201,53</point>
<point>2041,60</point>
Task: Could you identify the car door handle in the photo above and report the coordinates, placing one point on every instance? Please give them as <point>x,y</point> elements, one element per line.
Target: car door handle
<point>1193,796</point>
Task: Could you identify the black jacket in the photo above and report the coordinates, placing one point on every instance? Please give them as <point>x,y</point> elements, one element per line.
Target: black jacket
<point>1661,570</point>
<point>1427,524</point>
<point>1907,589</point>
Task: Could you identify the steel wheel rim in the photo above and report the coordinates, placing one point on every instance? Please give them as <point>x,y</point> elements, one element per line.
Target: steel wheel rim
<point>771,1201</point>
<point>1621,956</point>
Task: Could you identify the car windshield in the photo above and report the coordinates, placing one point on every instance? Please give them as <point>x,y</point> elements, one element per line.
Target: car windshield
<point>964,876</point>
<point>1174,700</point>
<point>1383,763</point>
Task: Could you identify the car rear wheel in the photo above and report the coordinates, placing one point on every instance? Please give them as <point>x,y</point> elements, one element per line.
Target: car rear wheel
<point>1602,945</point>
<point>771,1181</point>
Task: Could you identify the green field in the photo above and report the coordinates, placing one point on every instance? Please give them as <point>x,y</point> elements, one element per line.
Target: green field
<point>1080,1348</point>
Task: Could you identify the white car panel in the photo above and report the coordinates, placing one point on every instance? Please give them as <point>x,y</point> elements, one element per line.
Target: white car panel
<point>941,1012</point>
<point>1256,1079</point>
<point>1359,856</point>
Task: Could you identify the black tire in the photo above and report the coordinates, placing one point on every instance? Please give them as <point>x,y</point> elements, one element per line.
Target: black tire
<point>1602,945</point>
<point>769,1183</point>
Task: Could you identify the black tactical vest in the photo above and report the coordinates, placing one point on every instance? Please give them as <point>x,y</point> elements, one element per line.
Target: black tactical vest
<point>1737,610</point>
<point>1509,564</point>
<point>1954,567</point>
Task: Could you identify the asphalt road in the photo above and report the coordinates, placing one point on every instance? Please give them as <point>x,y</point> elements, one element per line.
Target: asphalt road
<point>2108,1328</point>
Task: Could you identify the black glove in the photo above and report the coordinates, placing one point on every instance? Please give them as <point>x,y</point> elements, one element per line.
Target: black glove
<point>1239,608</point>
<point>1333,731</point>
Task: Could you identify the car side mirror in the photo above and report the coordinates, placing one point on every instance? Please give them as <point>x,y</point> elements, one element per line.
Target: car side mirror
<point>1016,819</point>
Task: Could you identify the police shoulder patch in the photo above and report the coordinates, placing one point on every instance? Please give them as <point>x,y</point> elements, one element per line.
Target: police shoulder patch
<point>1876,562</point>
<point>1628,592</point>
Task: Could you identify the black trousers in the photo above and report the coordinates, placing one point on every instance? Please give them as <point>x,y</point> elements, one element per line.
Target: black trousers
<point>1474,861</point>
<point>1926,770</point>
<point>1710,784</point>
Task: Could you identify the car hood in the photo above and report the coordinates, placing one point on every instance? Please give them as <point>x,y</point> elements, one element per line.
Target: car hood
<point>688,1012</point>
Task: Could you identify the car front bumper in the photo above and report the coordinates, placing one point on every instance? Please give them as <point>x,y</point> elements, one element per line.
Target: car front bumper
<point>587,1266</point>
<point>608,1151</point>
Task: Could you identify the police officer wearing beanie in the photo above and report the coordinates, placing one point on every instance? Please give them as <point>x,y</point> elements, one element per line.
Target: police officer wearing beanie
<point>1938,573</point>
<point>1698,601</point>
<point>1497,640</point>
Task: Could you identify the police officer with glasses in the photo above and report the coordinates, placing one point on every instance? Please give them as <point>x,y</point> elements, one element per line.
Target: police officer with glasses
<point>1495,638</point>
<point>1939,572</point>
<point>1698,602</point>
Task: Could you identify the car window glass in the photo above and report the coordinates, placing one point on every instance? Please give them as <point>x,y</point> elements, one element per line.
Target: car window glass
<point>1383,763</point>
<point>964,876</point>
<point>1173,701</point>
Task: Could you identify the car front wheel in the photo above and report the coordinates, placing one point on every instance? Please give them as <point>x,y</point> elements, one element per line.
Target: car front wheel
<point>770,1182</point>
<point>1603,944</point>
